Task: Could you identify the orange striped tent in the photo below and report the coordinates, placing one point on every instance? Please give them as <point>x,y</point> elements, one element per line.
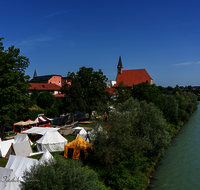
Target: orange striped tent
<point>78,148</point>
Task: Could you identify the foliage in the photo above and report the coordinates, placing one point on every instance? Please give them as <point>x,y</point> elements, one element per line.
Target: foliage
<point>145,91</point>
<point>169,106</point>
<point>34,96</point>
<point>123,93</point>
<point>13,85</point>
<point>51,112</point>
<point>73,100</point>
<point>88,88</point>
<point>45,100</point>
<point>59,175</point>
<point>133,126</point>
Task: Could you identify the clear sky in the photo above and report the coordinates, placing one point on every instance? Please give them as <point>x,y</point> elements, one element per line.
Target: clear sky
<point>60,36</point>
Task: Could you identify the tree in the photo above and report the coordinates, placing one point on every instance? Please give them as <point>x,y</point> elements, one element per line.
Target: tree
<point>73,100</point>
<point>60,175</point>
<point>88,89</point>
<point>45,100</point>
<point>123,93</point>
<point>13,85</point>
<point>133,127</point>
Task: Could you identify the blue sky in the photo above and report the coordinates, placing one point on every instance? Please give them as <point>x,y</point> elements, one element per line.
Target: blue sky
<point>162,36</point>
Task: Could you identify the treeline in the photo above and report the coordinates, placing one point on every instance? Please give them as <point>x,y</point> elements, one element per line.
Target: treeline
<point>129,144</point>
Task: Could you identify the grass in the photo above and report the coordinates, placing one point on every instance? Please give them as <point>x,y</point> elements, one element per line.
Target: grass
<point>3,162</point>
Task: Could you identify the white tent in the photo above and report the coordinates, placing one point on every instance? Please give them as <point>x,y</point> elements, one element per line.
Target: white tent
<point>20,149</point>
<point>21,137</point>
<point>8,180</point>
<point>4,147</point>
<point>19,164</point>
<point>40,130</point>
<point>81,133</point>
<point>52,141</point>
<point>46,157</point>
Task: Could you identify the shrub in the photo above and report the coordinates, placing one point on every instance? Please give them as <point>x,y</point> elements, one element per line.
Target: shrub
<point>61,175</point>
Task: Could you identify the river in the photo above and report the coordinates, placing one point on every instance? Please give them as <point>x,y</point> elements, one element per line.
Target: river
<point>179,168</point>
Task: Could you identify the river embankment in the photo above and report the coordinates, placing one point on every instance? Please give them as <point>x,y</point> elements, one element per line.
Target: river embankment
<point>179,166</point>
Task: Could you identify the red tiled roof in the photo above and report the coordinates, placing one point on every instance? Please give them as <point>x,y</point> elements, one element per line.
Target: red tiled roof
<point>135,76</point>
<point>43,86</point>
<point>110,90</point>
<point>59,95</point>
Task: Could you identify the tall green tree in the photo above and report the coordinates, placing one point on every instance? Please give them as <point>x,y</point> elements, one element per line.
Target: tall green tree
<point>45,100</point>
<point>73,100</point>
<point>13,85</point>
<point>87,89</point>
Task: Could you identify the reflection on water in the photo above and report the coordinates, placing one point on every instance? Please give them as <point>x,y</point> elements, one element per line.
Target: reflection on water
<point>179,168</point>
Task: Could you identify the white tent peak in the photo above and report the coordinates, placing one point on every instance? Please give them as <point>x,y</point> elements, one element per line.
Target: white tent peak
<point>46,157</point>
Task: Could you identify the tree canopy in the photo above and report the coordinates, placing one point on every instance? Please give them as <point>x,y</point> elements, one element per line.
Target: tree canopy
<point>87,89</point>
<point>13,84</point>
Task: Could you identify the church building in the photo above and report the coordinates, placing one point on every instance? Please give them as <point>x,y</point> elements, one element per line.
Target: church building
<point>131,77</point>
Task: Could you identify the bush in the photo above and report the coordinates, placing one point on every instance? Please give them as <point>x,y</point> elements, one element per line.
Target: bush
<point>61,175</point>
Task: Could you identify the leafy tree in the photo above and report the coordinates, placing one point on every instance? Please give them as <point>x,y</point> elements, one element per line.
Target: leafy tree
<point>123,93</point>
<point>34,96</point>
<point>133,126</point>
<point>88,88</point>
<point>45,100</point>
<point>145,91</point>
<point>61,175</point>
<point>169,106</point>
<point>14,98</point>
<point>73,100</point>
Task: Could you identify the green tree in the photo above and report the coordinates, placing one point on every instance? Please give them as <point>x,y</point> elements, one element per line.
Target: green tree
<point>123,93</point>
<point>61,175</point>
<point>13,85</point>
<point>133,126</point>
<point>88,88</point>
<point>145,91</point>
<point>73,100</point>
<point>45,100</point>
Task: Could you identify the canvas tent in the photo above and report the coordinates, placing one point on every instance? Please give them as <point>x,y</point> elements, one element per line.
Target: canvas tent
<point>46,157</point>
<point>21,138</point>
<point>78,148</point>
<point>8,180</point>
<point>52,141</point>
<point>42,119</point>
<point>4,147</point>
<point>80,131</point>
<point>20,149</point>
<point>40,130</point>
<point>19,164</point>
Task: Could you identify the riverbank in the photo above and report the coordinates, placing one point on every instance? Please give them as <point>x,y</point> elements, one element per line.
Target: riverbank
<point>152,169</point>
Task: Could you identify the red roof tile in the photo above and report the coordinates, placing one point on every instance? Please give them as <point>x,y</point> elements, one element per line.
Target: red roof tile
<point>59,95</point>
<point>135,76</point>
<point>110,90</point>
<point>43,86</point>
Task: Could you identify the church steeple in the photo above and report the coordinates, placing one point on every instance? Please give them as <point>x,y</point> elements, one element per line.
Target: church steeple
<point>119,66</point>
<point>35,74</point>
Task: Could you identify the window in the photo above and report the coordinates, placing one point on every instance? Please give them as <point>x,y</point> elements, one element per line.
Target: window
<point>50,82</point>
<point>54,81</point>
<point>59,82</point>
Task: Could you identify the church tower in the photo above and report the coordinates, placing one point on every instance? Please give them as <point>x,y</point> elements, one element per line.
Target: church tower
<point>119,66</point>
<point>35,74</point>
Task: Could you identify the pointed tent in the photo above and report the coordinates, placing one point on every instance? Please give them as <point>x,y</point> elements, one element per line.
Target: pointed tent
<point>78,148</point>
<point>4,147</point>
<point>20,164</point>
<point>20,149</point>
<point>52,141</point>
<point>21,138</point>
<point>9,180</point>
<point>46,157</point>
